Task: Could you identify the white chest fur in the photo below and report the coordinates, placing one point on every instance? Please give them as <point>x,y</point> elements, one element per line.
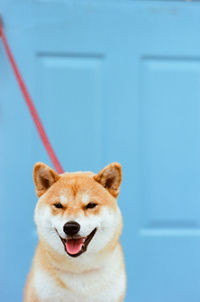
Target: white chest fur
<point>105,284</point>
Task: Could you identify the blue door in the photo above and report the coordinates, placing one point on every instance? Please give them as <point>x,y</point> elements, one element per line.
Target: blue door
<point>112,81</point>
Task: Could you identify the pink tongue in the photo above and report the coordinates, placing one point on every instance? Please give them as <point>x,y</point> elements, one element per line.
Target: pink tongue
<point>74,246</point>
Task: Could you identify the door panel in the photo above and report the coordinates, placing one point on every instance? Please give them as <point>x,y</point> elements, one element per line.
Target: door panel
<point>70,86</point>
<point>169,127</point>
<point>112,81</point>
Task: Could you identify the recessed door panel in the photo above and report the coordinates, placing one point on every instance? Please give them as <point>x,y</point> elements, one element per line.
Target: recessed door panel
<point>69,87</point>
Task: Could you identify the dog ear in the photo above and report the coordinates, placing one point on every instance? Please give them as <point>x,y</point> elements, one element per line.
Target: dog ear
<point>44,177</point>
<point>110,178</point>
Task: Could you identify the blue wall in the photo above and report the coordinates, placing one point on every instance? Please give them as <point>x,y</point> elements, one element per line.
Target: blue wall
<point>112,81</point>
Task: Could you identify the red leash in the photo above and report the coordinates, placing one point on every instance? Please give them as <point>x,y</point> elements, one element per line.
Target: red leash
<point>31,105</point>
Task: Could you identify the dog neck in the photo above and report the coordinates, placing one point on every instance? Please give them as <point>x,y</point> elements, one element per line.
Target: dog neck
<point>51,260</point>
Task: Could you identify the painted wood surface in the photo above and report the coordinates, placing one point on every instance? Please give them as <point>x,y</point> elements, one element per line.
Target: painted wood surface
<point>112,81</point>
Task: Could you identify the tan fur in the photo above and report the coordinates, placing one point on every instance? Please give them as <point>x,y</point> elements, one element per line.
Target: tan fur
<point>110,177</point>
<point>102,189</point>
<point>75,185</point>
<point>43,172</point>
<point>29,292</point>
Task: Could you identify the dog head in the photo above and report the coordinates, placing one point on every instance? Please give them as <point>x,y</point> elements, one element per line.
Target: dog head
<point>78,212</point>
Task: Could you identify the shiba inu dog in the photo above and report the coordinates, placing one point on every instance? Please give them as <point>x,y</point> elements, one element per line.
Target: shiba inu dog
<point>78,257</point>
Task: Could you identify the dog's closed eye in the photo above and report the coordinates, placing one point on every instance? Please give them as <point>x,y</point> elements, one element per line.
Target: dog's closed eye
<point>91,205</point>
<point>58,205</point>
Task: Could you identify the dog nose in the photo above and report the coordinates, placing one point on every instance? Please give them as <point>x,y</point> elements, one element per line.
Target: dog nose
<point>71,228</point>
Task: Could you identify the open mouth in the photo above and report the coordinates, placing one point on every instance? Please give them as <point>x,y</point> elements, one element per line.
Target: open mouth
<point>75,246</point>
